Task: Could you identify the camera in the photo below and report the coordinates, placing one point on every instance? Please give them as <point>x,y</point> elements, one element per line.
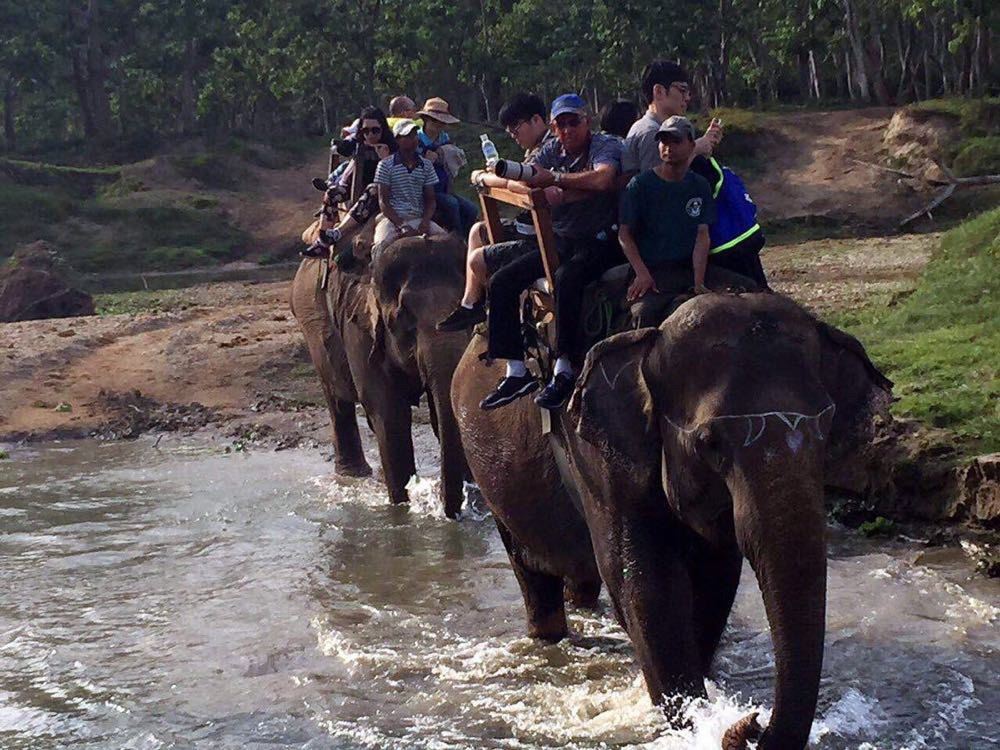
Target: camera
<point>513,170</point>
<point>344,147</point>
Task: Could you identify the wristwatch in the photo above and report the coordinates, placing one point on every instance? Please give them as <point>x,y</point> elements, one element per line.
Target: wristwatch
<point>557,177</point>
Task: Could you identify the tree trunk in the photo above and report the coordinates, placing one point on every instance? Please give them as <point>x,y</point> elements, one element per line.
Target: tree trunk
<point>860,75</point>
<point>9,111</point>
<point>90,70</point>
<point>188,94</point>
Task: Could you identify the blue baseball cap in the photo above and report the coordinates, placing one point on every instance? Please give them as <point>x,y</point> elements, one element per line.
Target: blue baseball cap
<point>568,103</point>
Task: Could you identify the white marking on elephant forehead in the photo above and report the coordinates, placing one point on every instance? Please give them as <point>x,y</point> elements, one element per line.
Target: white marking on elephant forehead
<point>757,424</point>
<point>794,440</point>
<point>613,382</point>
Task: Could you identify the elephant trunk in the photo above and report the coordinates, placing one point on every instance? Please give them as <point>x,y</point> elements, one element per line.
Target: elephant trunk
<point>781,528</point>
<point>439,363</point>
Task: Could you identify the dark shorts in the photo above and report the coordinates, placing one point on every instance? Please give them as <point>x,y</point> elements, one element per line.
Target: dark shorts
<point>499,255</point>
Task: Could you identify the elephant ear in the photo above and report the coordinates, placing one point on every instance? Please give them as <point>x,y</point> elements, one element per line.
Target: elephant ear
<point>612,405</point>
<point>858,389</point>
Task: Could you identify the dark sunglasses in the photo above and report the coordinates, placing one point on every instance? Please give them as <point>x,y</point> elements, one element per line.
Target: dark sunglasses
<point>377,130</point>
<point>573,121</point>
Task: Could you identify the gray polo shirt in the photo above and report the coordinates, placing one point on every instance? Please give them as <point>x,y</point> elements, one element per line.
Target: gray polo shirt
<point>641,150</point>
<point>587,217</point>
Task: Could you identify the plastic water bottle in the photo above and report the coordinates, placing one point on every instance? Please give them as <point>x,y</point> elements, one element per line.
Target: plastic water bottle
<point>489,151</point>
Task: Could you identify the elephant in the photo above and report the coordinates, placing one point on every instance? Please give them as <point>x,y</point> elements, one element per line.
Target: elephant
<point>689,447</point>
<point>372,338</point>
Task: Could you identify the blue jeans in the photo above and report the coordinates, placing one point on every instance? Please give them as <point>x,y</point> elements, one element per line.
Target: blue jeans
<point>456,212</point>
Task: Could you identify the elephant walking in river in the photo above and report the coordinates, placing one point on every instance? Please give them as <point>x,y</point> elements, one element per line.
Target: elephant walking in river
<point>688,448</point>
<point>372,339</point>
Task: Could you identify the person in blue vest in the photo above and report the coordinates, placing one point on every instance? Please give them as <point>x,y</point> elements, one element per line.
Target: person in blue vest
<point>458,213</point>
<point>735,239</point>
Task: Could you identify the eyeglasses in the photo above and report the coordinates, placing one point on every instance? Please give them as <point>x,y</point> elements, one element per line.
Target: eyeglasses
<point>376,130</point>
<point>683,88</point>
<point>565,123</point>
<point>512,131</point>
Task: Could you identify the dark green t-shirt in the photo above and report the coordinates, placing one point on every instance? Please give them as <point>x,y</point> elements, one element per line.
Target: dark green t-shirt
<point>664,216</point>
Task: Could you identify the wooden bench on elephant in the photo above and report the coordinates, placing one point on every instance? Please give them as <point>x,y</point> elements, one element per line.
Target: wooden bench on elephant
<point>541,215</point>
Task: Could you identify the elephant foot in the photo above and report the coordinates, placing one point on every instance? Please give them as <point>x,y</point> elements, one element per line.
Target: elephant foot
<point>584,594</point>
<point>551,628</point>
<point>352,468</point>
<point>399,497</point>
<point>744,730</point>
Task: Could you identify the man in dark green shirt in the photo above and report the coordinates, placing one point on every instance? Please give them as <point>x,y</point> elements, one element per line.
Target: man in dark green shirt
<point>666,212</point>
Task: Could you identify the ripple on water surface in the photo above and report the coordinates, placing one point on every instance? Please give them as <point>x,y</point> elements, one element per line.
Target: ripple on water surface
<point>179,597</point>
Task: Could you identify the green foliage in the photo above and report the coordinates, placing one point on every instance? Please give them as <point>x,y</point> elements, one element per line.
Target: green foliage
<point>881,526</point>
<point>941,345</point>
<point>978,156</point>
<point>4,455</point>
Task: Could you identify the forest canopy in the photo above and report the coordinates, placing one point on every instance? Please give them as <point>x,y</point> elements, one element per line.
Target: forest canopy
<point>134,71</point>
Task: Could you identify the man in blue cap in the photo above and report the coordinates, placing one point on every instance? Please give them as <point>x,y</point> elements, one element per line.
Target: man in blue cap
<point>580,170</point>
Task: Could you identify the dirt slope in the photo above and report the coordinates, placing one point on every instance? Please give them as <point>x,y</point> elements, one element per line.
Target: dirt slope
<point>809,169</point>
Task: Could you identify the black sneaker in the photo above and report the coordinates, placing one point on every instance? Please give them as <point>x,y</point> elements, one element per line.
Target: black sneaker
<point>509,389</point>
<point>463,317</point>
<point>557,391</point>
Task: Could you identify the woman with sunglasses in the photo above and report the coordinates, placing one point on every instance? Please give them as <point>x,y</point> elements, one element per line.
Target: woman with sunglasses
<point>374,135</point>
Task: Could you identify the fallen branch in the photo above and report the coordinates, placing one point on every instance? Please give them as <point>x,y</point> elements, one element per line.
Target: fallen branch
<point>880,168</point>
<point>950,187</point>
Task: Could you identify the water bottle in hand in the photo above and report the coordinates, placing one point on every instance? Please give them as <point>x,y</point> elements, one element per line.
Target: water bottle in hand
<point>489,151</point>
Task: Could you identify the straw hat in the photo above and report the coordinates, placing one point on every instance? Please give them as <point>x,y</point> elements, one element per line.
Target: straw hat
<point>437,108</point>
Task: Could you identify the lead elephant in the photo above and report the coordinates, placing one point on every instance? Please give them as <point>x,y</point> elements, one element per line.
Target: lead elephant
<point>372,339</point>
<point>692,446</point>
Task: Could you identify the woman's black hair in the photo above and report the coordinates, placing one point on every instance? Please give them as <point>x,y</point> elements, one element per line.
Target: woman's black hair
<point>617,117</point>
<point>374,113</point>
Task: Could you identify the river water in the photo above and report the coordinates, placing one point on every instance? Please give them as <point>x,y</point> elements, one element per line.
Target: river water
<point>172,595</point>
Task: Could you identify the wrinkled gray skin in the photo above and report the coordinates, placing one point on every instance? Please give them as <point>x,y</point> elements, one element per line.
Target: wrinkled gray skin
<point>677,486</point>
<point>372,340</point>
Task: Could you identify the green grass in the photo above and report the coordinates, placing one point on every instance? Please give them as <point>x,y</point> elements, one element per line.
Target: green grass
<point>941,345</point>
<point>132,232</point>
<point>977,117</point>
<point>118,303</point>
<point>978,156</point>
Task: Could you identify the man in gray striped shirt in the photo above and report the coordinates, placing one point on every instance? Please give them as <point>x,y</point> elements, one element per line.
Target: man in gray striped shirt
<point>406,183</point>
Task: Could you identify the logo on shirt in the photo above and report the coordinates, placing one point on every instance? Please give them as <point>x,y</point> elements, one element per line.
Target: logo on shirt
<point>693,208</point>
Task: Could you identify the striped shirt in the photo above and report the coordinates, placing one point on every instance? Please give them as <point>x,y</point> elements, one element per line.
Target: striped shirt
<point>406,187</point>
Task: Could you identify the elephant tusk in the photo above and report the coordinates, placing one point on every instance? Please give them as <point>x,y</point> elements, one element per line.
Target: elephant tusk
<point>744,730</point>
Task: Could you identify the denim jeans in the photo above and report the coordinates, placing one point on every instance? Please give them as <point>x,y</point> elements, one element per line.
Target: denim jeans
<point>457,213</point>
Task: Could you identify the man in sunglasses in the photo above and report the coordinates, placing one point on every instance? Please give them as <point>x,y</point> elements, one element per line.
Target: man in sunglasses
<point>584,168</point>
<point>524,118</point>
<point>667,91</point>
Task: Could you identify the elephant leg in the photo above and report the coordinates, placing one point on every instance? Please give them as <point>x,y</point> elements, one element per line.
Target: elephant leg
<point>715,576</point>
<point>454,468</point>
<point>542,593</point>
<point>349,456</point>
<point>392,422</point>
<point>647,576</point>
<point>583,593</point>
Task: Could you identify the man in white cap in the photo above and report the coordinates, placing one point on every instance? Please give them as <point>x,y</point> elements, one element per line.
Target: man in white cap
<point>406,183</point>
